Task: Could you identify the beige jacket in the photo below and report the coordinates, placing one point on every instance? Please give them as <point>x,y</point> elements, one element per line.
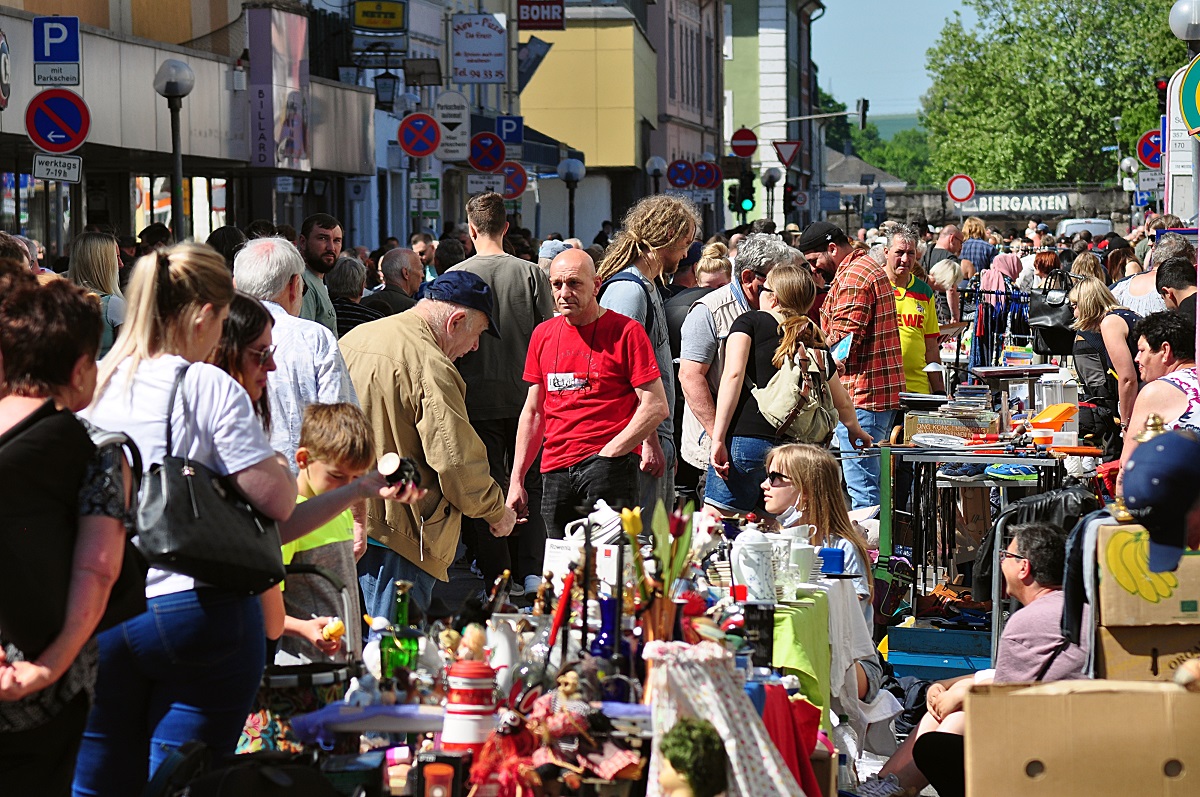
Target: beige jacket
<point>415,401</point>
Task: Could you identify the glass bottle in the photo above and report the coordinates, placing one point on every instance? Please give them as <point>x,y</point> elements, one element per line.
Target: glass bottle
<point>399,649</point>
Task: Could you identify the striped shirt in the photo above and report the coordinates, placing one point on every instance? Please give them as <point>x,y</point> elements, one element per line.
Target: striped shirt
<point>351,314</point>
<point>862,302</point>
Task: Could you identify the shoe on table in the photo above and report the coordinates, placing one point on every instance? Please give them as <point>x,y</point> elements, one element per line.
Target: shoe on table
<point>875,786</point>
<point>1018,473</point>
<point>962,471</point>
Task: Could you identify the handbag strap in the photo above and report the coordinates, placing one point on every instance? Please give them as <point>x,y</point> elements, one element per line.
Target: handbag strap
<point>179,376</point>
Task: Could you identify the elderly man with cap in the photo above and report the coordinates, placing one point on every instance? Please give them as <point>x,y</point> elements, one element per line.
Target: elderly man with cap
<point>403,369</point>
<point>861,307</point>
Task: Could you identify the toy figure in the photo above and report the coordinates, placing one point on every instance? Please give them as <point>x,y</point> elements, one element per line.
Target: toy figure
<point>474,640</point>
<point>506,758</point>
<point>694,762</point>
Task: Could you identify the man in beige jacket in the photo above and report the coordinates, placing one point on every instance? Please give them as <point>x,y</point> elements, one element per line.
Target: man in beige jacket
<point>403,369</point>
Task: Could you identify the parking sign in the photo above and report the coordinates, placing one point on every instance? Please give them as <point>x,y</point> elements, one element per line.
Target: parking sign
<point>56,51</point>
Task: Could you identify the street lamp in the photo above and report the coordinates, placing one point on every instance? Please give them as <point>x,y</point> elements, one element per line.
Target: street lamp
<point>656,167</point>
<point>1185,23</point>
<point>1129,168</point>
<point>175,80</point>
<point>571,171</point>
<point>769,179</point>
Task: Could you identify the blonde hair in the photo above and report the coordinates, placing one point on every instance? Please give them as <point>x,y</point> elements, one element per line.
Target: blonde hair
<point>166,291</point>
<point>654,223</point>
<point>795,290</point>
<point>1087,264</point>
<point>973,227</point>
<point>1093,300</point>
<point>94,264</point>
<point>945,274</point>
<point>818,477</point>
<point>714,260</point>
<point>338,434</point>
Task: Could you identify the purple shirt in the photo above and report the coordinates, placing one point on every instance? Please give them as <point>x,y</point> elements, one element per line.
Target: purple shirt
<point>1030,637</point>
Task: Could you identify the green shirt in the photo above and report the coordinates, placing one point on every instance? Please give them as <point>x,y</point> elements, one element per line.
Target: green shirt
<point>317,306</point>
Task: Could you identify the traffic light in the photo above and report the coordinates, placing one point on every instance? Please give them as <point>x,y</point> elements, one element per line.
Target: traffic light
<point>1161,83</point>
<point>734,205</point>
<point>789,197</point>
<point>746,192</point>
<point>861,108</point>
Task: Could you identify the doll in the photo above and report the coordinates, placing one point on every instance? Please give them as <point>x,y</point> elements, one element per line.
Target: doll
<point>693,760</point>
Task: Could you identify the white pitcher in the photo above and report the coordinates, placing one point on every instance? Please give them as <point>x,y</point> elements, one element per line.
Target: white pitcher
<point>751,563</point>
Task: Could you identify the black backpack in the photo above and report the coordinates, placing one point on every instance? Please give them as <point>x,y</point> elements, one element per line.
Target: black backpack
<point>624,276</point>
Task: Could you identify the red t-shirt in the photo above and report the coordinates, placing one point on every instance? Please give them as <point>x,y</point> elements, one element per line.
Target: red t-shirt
<point>588,374</point>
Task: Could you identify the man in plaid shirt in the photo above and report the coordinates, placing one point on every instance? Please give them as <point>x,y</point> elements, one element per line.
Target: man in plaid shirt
<point>862,303</point>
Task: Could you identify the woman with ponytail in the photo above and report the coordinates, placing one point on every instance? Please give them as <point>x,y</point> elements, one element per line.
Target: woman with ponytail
<point>189,666</point>
<point>759,343</point>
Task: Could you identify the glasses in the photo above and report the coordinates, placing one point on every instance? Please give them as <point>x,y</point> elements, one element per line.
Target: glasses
<point>775,477</point>
<point>765,289</point>
<point>759,274</point>
<point>1010,555</point>
<point>264,354</point>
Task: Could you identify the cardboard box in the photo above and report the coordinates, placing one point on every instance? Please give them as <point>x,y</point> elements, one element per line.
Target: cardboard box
<point>1132,596</point>
<point>972,520</point>
<point>1081,739</point>
<point>918,422</point>
<point>1145,653</point>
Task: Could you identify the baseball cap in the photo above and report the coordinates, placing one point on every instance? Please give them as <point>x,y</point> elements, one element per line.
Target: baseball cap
<point>818,235</point>
<point>462,288</point>
<point>693,255</point>
<point>552,249</point>
<point>1160,482</point>
<point>1043,228</point>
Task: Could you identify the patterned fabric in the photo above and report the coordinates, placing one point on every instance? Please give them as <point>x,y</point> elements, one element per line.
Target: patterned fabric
<point>351,314</point>
<point>699,681</point>
<point>862,302</point>
<point>979,252</point>
<point>269,725</point>
<point>1189,384</point>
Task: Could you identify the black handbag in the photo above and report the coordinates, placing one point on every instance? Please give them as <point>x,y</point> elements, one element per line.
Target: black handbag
<point>194,522</point>
<point>1051,316</point>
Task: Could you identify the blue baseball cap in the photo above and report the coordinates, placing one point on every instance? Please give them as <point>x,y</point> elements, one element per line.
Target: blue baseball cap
<point>462,288</point>
<point>551,249</point>
<point>1160,489</point>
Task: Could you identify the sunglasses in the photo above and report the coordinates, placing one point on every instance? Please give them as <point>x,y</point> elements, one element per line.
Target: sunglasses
<point>765,289</point>
<point>775,477</point>
<point>264,354</point>
<point>1010,555</point>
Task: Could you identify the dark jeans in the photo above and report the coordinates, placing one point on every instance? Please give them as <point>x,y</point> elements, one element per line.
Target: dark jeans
<point>571,493</point>
<point>522,551</point>
<point>40,762</point>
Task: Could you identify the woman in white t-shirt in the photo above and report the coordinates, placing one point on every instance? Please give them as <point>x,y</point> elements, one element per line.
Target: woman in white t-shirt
<point>188,668</point>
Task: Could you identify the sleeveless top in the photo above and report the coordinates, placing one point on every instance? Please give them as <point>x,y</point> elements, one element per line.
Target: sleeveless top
<point>1188,383</point>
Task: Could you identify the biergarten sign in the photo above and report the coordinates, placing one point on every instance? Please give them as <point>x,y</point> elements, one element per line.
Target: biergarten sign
<point>1000,204</point>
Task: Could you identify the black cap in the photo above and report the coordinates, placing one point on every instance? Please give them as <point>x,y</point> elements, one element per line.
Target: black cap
<point>463,288</point>
<point>818,235</point>
<point>692,257</point>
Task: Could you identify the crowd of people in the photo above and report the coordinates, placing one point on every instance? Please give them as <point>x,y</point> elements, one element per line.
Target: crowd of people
<point>526,381</point>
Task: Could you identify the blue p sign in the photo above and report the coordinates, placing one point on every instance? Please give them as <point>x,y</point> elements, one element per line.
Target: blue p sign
<point>511,129</point>
<point>56,40</point>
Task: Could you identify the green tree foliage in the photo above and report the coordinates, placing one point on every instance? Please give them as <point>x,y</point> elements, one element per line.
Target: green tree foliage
<point>905,155</point>
<point>837,130</point>
<point>1028,95</point>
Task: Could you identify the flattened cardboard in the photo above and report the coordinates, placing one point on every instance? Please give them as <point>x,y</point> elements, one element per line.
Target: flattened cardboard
<point>1145,653</point>
<point>1120,608</point>
<point>1082,739</point>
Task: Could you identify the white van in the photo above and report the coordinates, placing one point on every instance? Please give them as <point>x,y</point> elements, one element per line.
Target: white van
<point>1097,227</point>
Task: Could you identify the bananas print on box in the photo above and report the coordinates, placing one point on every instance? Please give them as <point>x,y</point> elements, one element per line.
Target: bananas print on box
<point>1127,556</point>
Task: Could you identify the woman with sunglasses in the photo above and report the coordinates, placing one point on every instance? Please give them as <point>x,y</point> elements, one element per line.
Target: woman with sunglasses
<point>804,486</point>
<point>758,344</point>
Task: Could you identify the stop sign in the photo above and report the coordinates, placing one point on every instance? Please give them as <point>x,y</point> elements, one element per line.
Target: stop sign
<point>744,143</point>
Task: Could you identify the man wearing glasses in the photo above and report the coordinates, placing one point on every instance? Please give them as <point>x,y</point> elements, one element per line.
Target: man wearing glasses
<point>861,307</point>
<point>703,336</point>
<point>309,369</point>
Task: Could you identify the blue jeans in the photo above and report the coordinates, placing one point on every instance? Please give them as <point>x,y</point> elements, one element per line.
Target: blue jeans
<point>742,491</point>
<point>379,570</point>
<point>186,669</point>
<point>862,473</point>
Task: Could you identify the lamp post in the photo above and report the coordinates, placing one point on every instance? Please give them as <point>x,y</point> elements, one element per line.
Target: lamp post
<point>656,167</point>
<point>769,180</point>
<point>175,80</point>
<point>571,171</point>
<point>1129,168</point>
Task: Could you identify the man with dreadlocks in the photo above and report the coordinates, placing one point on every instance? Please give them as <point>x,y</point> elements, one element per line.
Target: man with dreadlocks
<point>656,234</point>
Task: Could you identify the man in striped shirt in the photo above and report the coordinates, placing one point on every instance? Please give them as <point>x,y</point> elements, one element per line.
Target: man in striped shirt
<point>861,303</point>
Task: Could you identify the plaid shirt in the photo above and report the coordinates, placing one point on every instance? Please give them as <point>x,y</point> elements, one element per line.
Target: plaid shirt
<point>862,300</point>
<point>979,252</point>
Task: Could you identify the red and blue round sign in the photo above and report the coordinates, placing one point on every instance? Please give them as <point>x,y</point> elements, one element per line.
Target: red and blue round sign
<point>419,135</point>
<point>516,180</point>
<point>57,121</point>
<point>1149,149</point>
<point>487,152</point>
<point>708,175</point>
<point>680,173</point>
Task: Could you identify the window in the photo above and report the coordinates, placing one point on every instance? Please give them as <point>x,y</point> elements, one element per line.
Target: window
<point>727,27</point>
<point>710,82</point>
<point>671,58</point>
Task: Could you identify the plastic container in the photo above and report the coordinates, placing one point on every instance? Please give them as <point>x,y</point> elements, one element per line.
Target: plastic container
<point>1065,439</point>
<point>470,706</point>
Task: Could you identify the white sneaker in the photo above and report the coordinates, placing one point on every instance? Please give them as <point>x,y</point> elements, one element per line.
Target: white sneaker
<point>875,786</point>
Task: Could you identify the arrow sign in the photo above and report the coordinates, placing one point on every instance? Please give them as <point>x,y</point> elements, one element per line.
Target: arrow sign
<point>786,150</point>
<point>487,152</point>
<point>744,143</point>
<point>515,179</point>
<point>680,173</point>
<point>419,135</point>
<point>708,175</point>
<point>1149,149</point>
<point>57,121</point>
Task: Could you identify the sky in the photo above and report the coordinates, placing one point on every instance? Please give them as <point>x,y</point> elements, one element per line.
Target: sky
<point>856,60</point>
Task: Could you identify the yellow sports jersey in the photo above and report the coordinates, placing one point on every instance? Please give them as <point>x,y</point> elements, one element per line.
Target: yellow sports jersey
<point>918,321</point>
